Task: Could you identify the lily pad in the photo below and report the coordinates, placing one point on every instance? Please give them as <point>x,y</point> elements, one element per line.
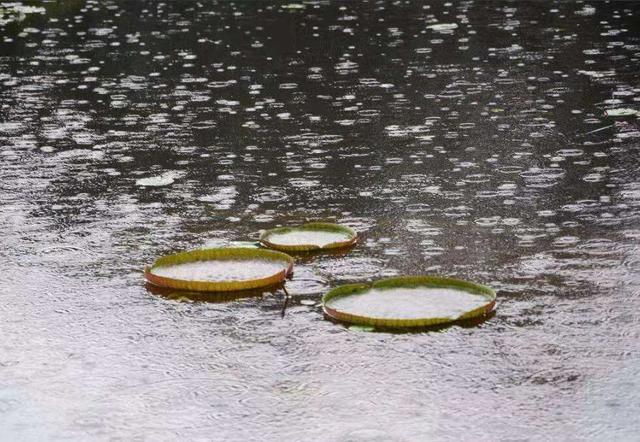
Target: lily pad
<point>220,270</point>
<point>309,237</point>
<point>405,302</point>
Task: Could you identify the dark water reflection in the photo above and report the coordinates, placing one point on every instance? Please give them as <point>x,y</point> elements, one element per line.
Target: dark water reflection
<point>464,138</point>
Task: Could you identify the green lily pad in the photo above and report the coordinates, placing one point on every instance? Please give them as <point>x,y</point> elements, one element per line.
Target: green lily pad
<point>405,302</point>
<point>309,237</point>
<point>220,270</point>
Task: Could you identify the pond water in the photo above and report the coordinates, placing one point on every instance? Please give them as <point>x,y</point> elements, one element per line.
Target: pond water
<point>472,139</point>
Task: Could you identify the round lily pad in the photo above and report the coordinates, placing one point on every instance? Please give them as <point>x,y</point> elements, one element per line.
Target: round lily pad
<point>410,301</point>
<point>220,270</point>
<point>309,237</point>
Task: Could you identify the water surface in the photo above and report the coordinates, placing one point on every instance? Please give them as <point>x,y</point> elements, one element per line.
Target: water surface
<point>473,139</point>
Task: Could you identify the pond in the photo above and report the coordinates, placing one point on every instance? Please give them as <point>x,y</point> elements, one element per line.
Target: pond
<point>492,141</point>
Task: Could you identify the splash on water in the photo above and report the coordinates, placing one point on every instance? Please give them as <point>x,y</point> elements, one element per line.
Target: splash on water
<point>166,179</point>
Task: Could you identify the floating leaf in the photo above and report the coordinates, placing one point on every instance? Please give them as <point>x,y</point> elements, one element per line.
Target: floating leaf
<point>309,237</point>
<point>220,270</point>
<point>413,301</point>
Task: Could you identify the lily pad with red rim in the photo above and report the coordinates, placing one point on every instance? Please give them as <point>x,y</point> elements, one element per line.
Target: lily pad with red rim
<point>409,302</point>
<point>220,269</point>
<point>309,237</point>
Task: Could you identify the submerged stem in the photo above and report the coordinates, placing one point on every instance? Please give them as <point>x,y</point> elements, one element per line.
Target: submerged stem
<point>286,300</point>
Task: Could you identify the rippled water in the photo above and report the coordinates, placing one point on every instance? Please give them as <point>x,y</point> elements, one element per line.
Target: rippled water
<point>482,140</point>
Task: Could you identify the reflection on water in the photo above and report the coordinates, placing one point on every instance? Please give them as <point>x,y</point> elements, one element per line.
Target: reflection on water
<point>215,297</point>
<point>490,141</point>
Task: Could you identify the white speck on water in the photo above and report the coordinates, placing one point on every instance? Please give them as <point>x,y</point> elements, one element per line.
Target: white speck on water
<point>586,11</point>
<point>293,6</point>
<point>443,27</point>
<point>165,179</point>
<point>598,74</point>
<point>409,303</point>
<point>621,112</point>
<point>308,237</point>
<point>16,11</point>
<point>221,270</point>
